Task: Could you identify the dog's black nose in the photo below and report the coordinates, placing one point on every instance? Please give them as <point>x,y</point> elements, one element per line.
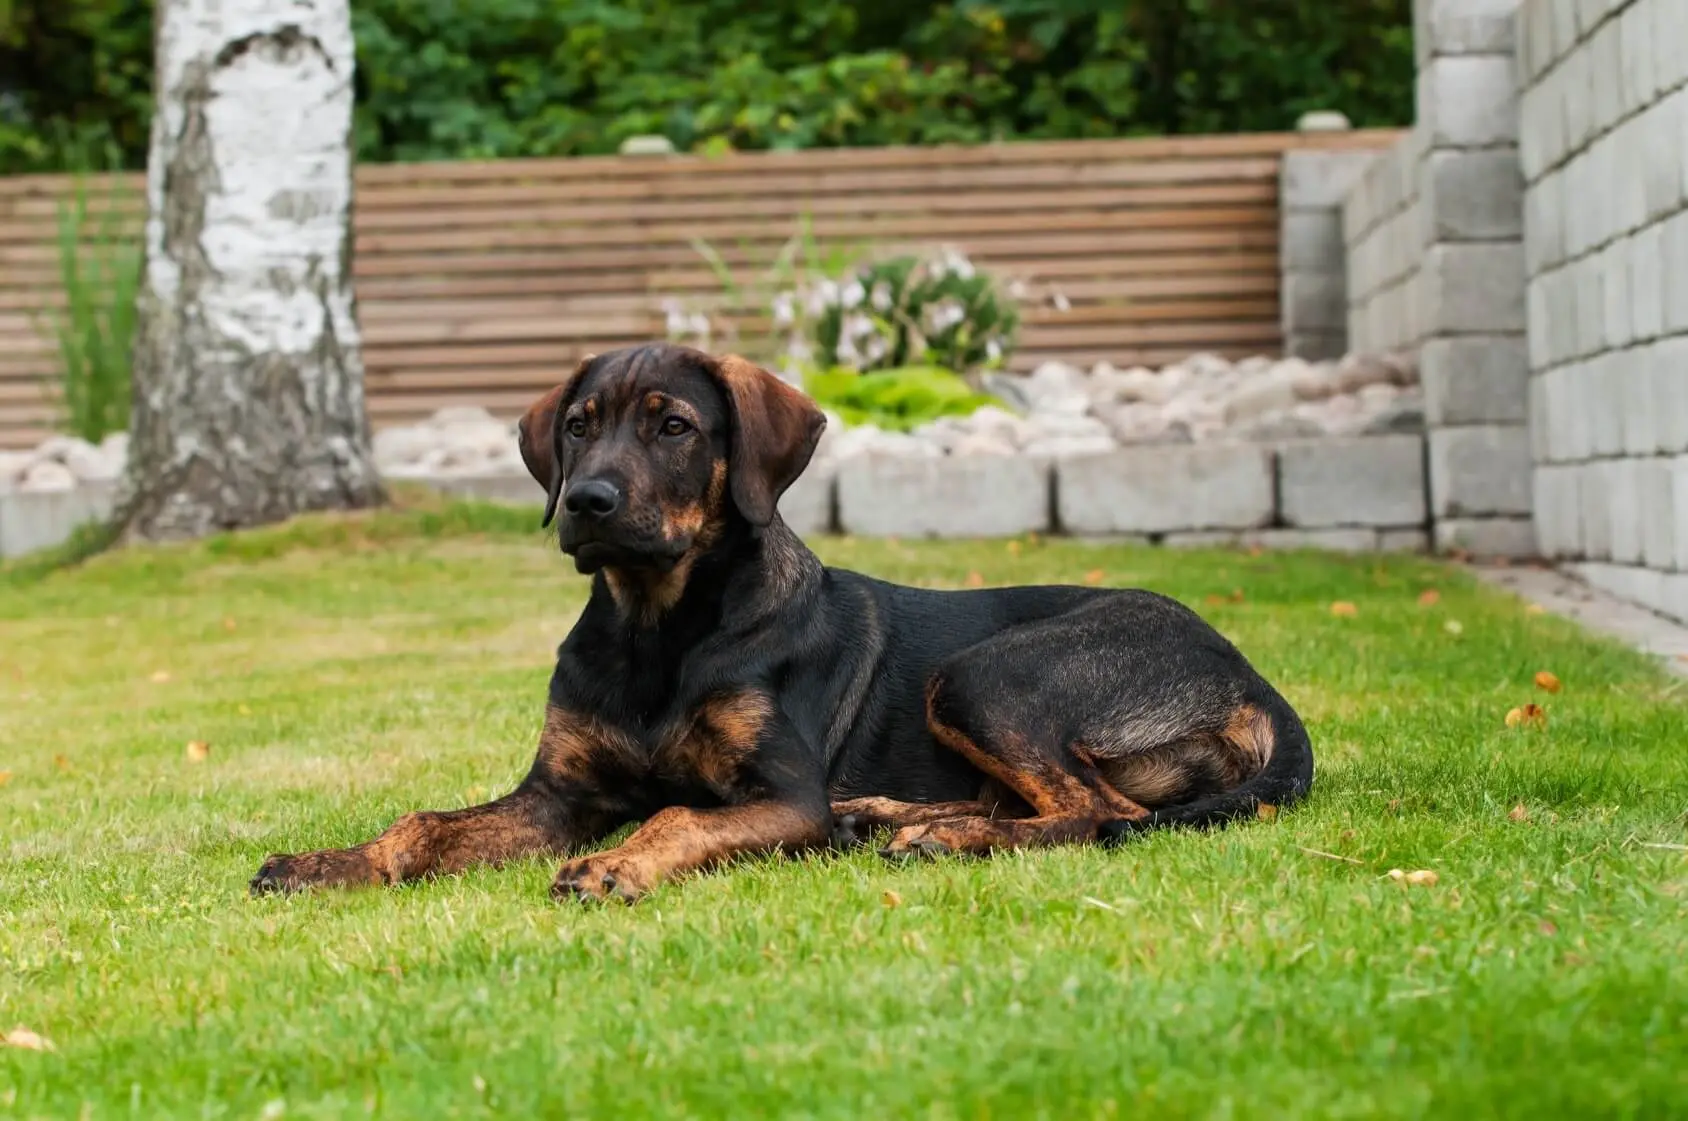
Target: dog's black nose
<point>593,499</point>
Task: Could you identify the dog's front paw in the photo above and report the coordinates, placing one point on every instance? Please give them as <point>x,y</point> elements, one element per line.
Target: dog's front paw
<point>851,830</point>
<point>287,872</point>
<point>607,875</point>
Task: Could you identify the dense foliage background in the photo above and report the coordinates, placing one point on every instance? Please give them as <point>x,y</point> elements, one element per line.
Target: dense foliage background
<point>459,79</point>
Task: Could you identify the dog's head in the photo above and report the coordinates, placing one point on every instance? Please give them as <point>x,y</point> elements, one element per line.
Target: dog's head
<point>646,454</point>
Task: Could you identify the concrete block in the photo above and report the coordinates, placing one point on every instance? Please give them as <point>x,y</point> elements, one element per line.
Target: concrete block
<point>1576,93</point>
<point>1166,489</point>
<point>1623,509</point>
<point>1675,268</point>
<point>1479,470</point>
<point>1537,422</point>
<point>1606,73</point>
<point>1316,346</point>
<point>1314,179</point>
<point>1538,336</point>
<point>971,496</point>
<point>1555,512</point>
<point>35,520</point>
<point>1635,57</point>
<point>1613,263</point>
<point>1474,195</point>
<point>1594,523</point>
<point>1468,101</point>
<point>1669,375</point>
<point>1544,230</point>
<point>1670,61</point>
<point>1487,537</point>
<point>1632,399</point>
<point>1626,582</point>
<point>1475,288</point>
<point>1456,27</point>
<point>1310,241</point>
<point>1203,539</point>
<point>1590,306</point>
<point>1663,126</point>
<point>1579,220</point>
<point>1679,511</point>
<point>1355,481</point>
<point>1474,379</point>
<point>1313,300</point>
<point>1408,540</point>
<point>808,505</point>
<point>1349,539</point>
<point>1656,484</point>
<point>1673,587</point>
<point>1646,283</point>
<point>1601,402</point>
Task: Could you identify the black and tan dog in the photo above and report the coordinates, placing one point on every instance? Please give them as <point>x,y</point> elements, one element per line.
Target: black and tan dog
<point>736,696</point>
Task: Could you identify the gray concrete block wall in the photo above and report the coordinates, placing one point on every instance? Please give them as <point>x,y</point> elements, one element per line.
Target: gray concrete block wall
<point>1311,254</point>
<point>1603,145</point>
<point>1437,265</point>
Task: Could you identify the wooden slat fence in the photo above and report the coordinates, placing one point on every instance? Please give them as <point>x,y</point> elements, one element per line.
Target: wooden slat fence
<point>479,283</point>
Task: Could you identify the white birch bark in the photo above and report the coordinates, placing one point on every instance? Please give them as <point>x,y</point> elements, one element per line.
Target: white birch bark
<point>248,379</point>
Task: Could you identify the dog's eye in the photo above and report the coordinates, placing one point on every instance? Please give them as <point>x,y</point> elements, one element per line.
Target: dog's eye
<point>675,426</point>
<point>576,427</point>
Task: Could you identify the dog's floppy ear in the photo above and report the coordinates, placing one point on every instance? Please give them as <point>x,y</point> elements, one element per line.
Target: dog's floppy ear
<point>536,438</point>
<point>775,430</point>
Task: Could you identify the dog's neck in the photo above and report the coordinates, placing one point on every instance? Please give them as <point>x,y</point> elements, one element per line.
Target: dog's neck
<point>751,567</point>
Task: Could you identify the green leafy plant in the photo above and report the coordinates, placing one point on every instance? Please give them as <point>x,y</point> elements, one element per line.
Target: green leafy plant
<point>506,78</point>
<point>755,316</point>
<point>896,399</point>
<point>934,308</point>
<point>100,273</point>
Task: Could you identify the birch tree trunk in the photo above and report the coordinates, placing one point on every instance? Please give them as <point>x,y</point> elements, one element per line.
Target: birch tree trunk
<point>248,378</point>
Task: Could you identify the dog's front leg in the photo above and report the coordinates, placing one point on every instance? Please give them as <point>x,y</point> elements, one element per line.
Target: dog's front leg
<point>788,812</point>
<point>556,808</point>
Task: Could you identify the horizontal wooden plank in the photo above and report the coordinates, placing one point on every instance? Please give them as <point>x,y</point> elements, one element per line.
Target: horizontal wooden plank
<point>993,189</point>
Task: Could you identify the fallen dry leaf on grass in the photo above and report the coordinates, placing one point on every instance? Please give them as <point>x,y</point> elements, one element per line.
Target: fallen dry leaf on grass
<point>1535,609</point>
<point>61,762</point>
<point>1094,576</point>
<point>1429,597</point>
<point>1343,609</point>
<point>1453,626</point>
<point>1013,548</point>
<point>1266,811</point>
<point>1547,928</point>
<point>1547,682</point>
<point>228,623</point>
<point>1422,877</point>
<point>26,1040</point>
<point>1236,595</point>
<point>198,751</point>
<point>159,677</point>
<point>5,777</point>
<point>975,580</point>
<point>1531,714</point>
<point>1519,813</point>
<point>892,899</point>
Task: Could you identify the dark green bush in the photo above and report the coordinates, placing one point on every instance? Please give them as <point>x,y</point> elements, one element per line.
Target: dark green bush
<point>444,79</point>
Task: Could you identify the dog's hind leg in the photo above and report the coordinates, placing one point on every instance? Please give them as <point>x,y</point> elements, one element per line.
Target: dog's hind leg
<point>854,821</point>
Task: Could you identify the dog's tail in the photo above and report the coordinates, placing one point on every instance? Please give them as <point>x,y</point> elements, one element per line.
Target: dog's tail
<point>1282,781</point>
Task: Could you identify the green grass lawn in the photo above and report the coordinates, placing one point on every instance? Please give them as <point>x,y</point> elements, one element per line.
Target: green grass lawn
<point>345,671</point>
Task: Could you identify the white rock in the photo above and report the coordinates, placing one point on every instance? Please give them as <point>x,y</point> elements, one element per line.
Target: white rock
<point>983,443</point>
<point>1256,365</point>
<point>1356,371</point>
<point>454,415</point>
<point>1057,426</point>
<point>1256,399</point>
<point>47,475</point>
<point>12,467</point>
<point>1059,389</point>
<point>402,445</point>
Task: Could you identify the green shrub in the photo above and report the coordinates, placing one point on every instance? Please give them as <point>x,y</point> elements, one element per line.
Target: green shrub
<point>934,309</point>
<point>440,80</point>
<point>896,399</point>
<point>100,274</point>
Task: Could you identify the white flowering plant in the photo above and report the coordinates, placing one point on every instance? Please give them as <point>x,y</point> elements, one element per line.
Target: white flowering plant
<point>932,309</point>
